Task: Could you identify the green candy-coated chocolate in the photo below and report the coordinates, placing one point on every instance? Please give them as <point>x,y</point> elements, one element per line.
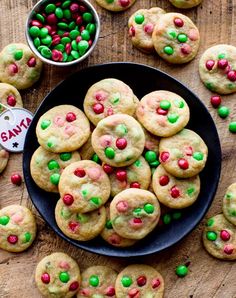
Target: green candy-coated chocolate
<point>198,156</point>
<point>66,4</point>
<point>47,40</point>
<point>223,111</point>
<point>65,156</point>
<point>18,54</point>
<point>72,25</point>
<point>229,195</point>
<point>210,222</point>
<point>50,8</point>
<point>95,200</point>
<point>74,45</point>
<point>62,25</point>
<point>34,31</point>
<point>74,34</point>
<point>126,281</point>
<point>166,219</point>
<point>91,28</point>
<point>94,280</point>
<point>55,178</point>
<point>139,19</point>
<point>27,237</point>
<point>60,47</point>
<point>154,163</point>
<point>209,86</point>
<point>182,37</point>
<point>50,144</point>
<point>87,17</point>
<point>150,156</point>
<point>84,192</point>
<point>212,236</point>
<point>190,191</point>
<point>109,224</point>
<point>109,1</point>
<point>176,215</point>
<point>64,277</point>
<point>221,56</point>
<point>172,33</point>
<point>232,127</point>
<point>83,45</point>
<point>173,118</point>
<point>40,17</point>
<point>67,14</point>
<point>138,163</point>
<point>59,13</point>
<point>46,53</point>
<point>121,130</point>
<point>53,164</point>
<point>65,40</point>
<point>60,32</point>
<point>37,42</point>
<point>149,208</point>
<point>85,35</point>
<point>65,57</point>
<point>137,212</point>
<point>232,212</point>
<point>181,270</point>
<point>43,32</point>
<point>165,104</point>
<point>168,50</point>
<point>45,124</point>
<point>70,58</point>
<point>110,152</point>
<point>75,54</point>
<point>4,220</point>
<point>65,213</point>
<point>179,103</point>
<point>95,158</point>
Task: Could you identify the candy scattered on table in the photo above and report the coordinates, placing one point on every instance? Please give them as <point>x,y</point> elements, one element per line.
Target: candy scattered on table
<point>181,270</point>
<point>215,101</point>
<point>232,127</point>
<point>223,111</point>
<point>16,179</point>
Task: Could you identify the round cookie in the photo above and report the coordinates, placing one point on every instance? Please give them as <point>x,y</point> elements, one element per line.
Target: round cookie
<point>134,213</point>
<point>229,204</point>
<point>58,275</point>
<point>118,140</point>
<point>184,4</point>
<point>9,96</point>
<point>4,157</point>
<point>183,155</point>
<point>19,66</point>
<point>137,175</point>
<point>141,25</point>
<point>172,192</point>
<point>139,280</point>
<point>217,68</point>
<point>108,97</point>
<point>219,238</point>
<point>176,39</point>
<point>115,5</point>
<point>163,113</point>
<point>80,226</point>
<point>46,167</point>
<point>98,281</point>
<point>63,128</point>
<point>17,228</point>
<point>110,236</point>
<point>84,186</point>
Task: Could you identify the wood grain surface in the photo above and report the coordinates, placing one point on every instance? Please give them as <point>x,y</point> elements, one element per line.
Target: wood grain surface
<point>208,277</point>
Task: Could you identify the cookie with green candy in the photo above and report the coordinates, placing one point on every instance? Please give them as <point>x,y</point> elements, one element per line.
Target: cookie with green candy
<point>175,37</point>
<point>64,128</point>
<point>185,4</point>
<point>163,113</point>
<point>134,213</point>
<point>4,157</point>
<point>84,186</point>
<point>80,226</point>
<point>115,5</point>
<point>118,140</point>
<point>139,280</point>
<point>58,275</point>
<point>172,192</point>
<point>183,155</point>
<point>229,204</point>
<point>19,66</point>
<point>219,238</point>
<point>17,228</point>
<point>46,167</point>
<point>98,281</point>
<point>9,96</point>
<point>141,25</point>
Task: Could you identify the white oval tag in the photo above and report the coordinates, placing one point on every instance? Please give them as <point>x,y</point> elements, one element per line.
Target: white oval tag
<point>14,124</point>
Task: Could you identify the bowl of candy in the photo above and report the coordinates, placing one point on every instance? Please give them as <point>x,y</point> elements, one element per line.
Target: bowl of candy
<point>62,33</point>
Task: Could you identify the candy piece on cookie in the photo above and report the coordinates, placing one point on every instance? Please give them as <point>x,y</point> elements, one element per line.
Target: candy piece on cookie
<point>183,155</point>
<point>115,5</point>
<point>19,66</point>
<point>172,192</point>
<point>80,226</point>
<point>175,37</point>
<point>84,186</point>
<point>217,69</point>
<point>9,96</point>
<point>98,281</point>
<point>141,25</point>
<point>219,238</point>
<point>229,204</point>
<point>139,280</point>
<point>4,157</point>
<point>58,275</point>
<point>163,113</point>
<point>46,167</point>
<point>134,213</point>
<point>17,228</point>
<point>108,97</point>
<point>64,128</point>
<point>185,4</point>
<point>118,140</point>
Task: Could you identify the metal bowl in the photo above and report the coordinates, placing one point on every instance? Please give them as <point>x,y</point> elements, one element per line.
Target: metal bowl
<point>38,8</point>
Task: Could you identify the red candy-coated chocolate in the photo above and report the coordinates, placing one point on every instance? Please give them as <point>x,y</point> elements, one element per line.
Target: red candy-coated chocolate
<point>79,172</point>
<point>148,28</point>
<point>222,63</point>
<point>183,164</point>
<point>82,8</point>
<point>122,206</point>
<point>81,28</point>
<point>186,49</point>
<point>121,143</point>
<point>110,291</point>
<point>52,19</point>
<point>74,7</point>
<point>210,64</point>
<point>156,283</point>
<point>11,101</point>
<point>224,235</point>
<point>66,34</point>
<point>189,151</point>
<point>162,112</point>
<point>137,220</point>
<point>178,22</point>
<point>90,42</point>
<point>164,156</point>
<point>70,117</point>
<point>232,75</point>
<point>12,239</point>
<point>68,48</point>
<point>74,286</point>
<point>132,31</point>
<point>164,180</point>
<point>174,192</point>
<point>16,179</point>
<point>229,249</point>
<point>215,101</point>
<point>13,69</point>
<point>121,175</point>
<point>134,293</point>
<point>68,199</point>
<point>31,62</point>
<point>107,169</point>
<point>124,3</point>
<point>141,281</point>
<point>79,20</point>
<point>57,55</point>
<point>45,277</point>
<point>73,225</point>
<point>135,185</point>
<point>36,23</point>
<point>98,108</point>
<point>78,39</point>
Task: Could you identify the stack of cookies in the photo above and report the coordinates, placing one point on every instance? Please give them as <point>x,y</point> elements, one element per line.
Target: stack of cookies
<point>116,188</point>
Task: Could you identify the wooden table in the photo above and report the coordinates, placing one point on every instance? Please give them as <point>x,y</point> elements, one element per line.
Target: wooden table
<point>208,277</point>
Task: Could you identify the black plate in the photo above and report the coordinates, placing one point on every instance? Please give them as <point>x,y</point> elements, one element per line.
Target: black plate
<point>142,79</point>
